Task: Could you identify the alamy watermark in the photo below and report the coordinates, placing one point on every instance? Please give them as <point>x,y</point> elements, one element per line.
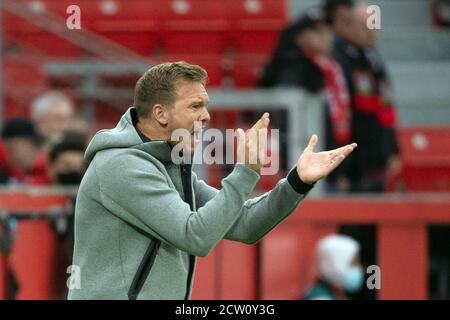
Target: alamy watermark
<point>213,146</point>
<point>74,280</point>
<point>374,280</point>
<point>374,20</point>
<point>74,19</point>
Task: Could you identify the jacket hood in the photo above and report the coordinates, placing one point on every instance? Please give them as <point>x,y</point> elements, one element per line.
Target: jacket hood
<point>124,135</point>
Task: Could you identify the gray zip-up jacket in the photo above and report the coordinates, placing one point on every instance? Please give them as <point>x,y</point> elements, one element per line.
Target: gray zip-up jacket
<point>136,231</point>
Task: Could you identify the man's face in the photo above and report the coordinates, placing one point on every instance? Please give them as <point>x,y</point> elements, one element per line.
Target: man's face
<point>56,122</point>
<point>21,151</point>
<point>67,163</point>
<point>344,22</point>
<point>190,106</point>
<point>363,36</point>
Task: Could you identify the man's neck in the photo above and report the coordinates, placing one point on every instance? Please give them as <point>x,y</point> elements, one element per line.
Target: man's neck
<point>150,132</point>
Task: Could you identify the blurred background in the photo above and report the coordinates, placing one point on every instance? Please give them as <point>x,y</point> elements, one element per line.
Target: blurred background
<point>314,64</point>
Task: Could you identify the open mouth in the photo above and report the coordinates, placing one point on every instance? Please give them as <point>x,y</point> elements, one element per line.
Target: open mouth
<point>195,134</point>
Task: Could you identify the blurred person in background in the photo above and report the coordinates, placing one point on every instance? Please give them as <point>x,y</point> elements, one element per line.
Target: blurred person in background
<point>4,165</point>
<point>66,167</point>
<point>338,269</point>
<point>25,162</point>
<point>291,63</point>
<point>50,241</point>
<point>303,58</point>
<point>53,114</point>
<point>66,160</point>
<point>441,12</point>
<point>373,113</point>
<point>339,14</point>
<point>385,110</point>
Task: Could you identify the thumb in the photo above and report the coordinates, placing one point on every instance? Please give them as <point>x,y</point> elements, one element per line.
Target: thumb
<point>240,157</point>
<point>263,122</point>
<point>312,143</point>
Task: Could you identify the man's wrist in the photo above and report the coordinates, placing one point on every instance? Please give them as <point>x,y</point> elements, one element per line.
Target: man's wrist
<point>297,184</point>
<point>253,167</point>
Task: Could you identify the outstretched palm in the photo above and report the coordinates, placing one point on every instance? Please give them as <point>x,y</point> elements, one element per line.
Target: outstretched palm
<point>312,166</point>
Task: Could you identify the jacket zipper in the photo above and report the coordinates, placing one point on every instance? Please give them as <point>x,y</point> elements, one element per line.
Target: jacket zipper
<point>150,254</point>
<point>144,269</point>
<point>186,179</point>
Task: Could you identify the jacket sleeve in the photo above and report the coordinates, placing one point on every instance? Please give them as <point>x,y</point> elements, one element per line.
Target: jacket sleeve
<point>261,214</point>
<point>133,189</point>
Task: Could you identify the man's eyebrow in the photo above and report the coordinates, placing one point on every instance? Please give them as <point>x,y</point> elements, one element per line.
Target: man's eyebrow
<point>200,102</point>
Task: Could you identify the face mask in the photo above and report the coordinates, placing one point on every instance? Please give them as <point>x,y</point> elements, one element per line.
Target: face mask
<point>353,279</point>
<point>69,178</point>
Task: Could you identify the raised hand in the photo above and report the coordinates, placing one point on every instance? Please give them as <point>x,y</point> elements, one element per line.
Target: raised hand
<point>312,166</point>
<point>252,144</point>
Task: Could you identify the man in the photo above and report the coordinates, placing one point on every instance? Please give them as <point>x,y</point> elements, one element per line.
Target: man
<point>141,218</point>
<point>53,113</point>
<point>385,113</point>
<point>373,113</point>
<point>339,15</point>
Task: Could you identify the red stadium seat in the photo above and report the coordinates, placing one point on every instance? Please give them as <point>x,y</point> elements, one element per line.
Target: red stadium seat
<point>178,26</point>
<point>256,10</point>
<point>93,11</point>
<point>19,87</point>
<point>195,26</point>
<point>256,23</point>
<point>247,69</point>
<point>212,63</point>
<point>425,157</point>
<point>132,24</point>
<point>28,33</point>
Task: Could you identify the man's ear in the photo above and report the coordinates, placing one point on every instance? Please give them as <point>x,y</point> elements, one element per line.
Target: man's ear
<point>159,113</point>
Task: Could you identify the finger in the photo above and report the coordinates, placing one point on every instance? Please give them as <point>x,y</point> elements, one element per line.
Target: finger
<point>252,136</point>
<point>241,137</point>
<point>263,122</point>
<point>345,151</point>
<point>312,143</point>
<point>341,149</point>
<point>262,146</point>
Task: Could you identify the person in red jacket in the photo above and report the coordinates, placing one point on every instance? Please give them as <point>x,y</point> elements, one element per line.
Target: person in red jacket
<point>23,159</point>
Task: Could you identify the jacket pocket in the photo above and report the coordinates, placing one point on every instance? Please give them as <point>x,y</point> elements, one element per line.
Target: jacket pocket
<point>144,269</point>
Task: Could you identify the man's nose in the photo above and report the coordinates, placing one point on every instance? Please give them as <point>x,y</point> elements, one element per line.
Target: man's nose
<point>205,117</point>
